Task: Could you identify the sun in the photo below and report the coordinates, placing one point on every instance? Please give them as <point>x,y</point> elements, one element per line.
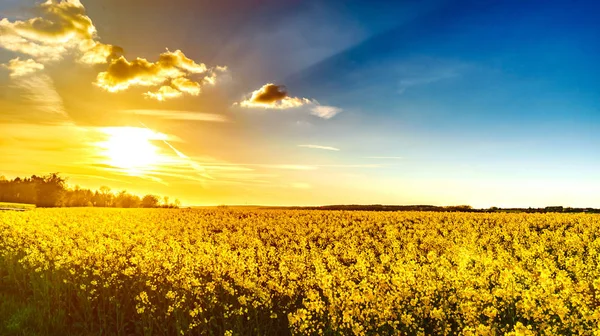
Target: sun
<point>132,149</point>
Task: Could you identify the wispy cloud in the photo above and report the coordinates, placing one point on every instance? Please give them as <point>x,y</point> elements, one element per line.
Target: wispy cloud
<point>25,145</point>
<point>352,166</point>
<point>180,115</point>
<point>325,112</point>
<point>37,99</point>
<point>20,68</point>
<point>405,84</point>
<point>288,166</point>
<point>291,166</point>
<point>320,147</point>
<point>424,71</point>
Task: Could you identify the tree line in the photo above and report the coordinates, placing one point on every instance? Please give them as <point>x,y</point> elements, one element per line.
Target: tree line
<point>52,191</point>
<point>435,208</point>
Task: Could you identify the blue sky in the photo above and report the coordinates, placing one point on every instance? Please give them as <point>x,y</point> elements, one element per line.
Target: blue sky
<point>489,103</point>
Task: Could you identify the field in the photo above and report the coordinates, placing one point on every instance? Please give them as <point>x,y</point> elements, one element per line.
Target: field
<point>16,206</point>
<point>276,272</point>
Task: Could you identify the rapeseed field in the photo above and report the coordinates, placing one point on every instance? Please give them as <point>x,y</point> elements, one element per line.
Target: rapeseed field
<point>275,272</point>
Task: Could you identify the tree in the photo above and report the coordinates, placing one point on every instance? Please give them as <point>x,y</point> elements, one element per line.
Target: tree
<point>50,190</point>
<point>126,200</point>
<point>78,197</point>
<point>103,197</point>
<point>150,201</point>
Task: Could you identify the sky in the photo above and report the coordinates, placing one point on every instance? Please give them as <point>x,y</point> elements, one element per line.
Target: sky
<point>485,103</point>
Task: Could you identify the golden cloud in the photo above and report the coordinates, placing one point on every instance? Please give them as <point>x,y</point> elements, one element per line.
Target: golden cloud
<point>271,96</point>
<point>185,85</point>
<point>20,68</point>
<point>180,115</point>
<point>170,72</point>
<point>60,27</point>
<point>164,93</point>
<point>98,53</point>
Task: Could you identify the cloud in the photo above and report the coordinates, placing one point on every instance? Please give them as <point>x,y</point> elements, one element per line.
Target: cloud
<point>412,82</point>
<point>325,112</point>
<point>99,53</point>
<point>20,68</point>
<point>180,115</point>
<point>320,147</point>
<point>271,96</point>
<point>384,157</point>
<point>269,93</point>
<point>61,26</point>
<point>36,99</point>
<point>353,166</point>
<point>425,70</point>
<point>122,74</point>
<point>188,86</point>
<point>164,93</point>
<point>289,166</point>
<point>303,123</point>
<point>26,146</point>
<point>170,72</point>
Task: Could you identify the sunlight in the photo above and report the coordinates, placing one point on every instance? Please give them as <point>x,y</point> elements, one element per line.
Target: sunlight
<point>132,149</point>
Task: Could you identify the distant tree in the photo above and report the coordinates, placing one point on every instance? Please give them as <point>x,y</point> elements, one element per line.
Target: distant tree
<point>78,197</point>
<point>150,201</point>
<point>103,197</point>
<point>126,200</point>
<point>135,201</point>
<point>50,190</point>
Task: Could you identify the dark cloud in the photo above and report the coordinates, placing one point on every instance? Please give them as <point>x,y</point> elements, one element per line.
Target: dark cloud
<point>271,96</point>
<point>269,93</point>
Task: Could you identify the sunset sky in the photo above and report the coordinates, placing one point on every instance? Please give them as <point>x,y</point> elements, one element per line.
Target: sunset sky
<point>487,103</point>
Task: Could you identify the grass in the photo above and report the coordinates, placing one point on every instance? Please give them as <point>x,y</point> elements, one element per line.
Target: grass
<point>16,317</point>
<point>17,206</point>
<point>30,310</point>
<point>17,313</point>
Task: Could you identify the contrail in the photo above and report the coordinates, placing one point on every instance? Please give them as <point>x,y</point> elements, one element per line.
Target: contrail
<point>191,162</point>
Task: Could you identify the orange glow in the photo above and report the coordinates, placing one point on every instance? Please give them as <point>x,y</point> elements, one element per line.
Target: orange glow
<point>132,149</point>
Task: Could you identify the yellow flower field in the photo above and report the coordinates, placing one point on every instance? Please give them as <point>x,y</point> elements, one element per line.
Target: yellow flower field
<point>272,272</point>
